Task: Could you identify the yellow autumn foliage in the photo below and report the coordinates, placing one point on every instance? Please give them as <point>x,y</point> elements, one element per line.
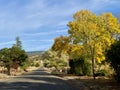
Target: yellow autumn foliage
<point>88,34</point>
<point>94,32</point>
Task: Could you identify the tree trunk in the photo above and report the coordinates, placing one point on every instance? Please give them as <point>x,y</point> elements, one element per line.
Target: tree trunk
<point>93,70</point>
<point>93,63</point>
<point>8,69</point>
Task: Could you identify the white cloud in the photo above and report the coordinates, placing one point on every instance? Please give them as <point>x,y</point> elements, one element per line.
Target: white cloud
<point>43,40</point>
<point>99,6</point>
<point>63,23</point>
<point>61,31</point>
<point>33,15</point>
<point>36,13</point>
<point>46,33</point>
<point>15,20</point>
<point>37,34</point>
<point>7,43</point>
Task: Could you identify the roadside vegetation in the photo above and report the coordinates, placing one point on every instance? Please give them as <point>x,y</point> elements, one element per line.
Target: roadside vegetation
<point>13,58</point>
<point>57,64</point>
<point>92,45</point>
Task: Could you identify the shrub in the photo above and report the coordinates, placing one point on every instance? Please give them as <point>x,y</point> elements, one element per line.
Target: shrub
<point>113,57</point>
<point>37,65</point>
<point>80,66</point>
<point>101,72</point>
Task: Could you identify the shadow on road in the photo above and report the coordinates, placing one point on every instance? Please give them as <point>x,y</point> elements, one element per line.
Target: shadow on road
<point>36,80</point>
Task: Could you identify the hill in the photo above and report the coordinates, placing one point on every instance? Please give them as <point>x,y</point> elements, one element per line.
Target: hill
<point>31,53</point>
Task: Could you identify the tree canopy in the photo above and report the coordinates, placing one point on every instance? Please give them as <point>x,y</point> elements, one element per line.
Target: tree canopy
<point>89,35</point>
<point>13,57</point>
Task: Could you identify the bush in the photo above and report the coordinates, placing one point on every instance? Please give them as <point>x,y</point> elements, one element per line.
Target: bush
<point>113,57</point>
<point>87,68</point>
<point>101,72</point>
<point>72,68</point>
<point>80,67</point>
<point>37,65</point>
<point>78,71</point>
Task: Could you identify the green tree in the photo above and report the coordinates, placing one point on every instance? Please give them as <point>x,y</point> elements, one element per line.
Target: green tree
<point>13,57</point>
<point>18,43</point>
<point>113,57</point>
<point>6,58</point>
<point>18,55</point>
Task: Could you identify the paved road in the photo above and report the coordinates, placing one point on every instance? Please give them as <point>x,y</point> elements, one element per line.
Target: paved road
<point>36,80</point>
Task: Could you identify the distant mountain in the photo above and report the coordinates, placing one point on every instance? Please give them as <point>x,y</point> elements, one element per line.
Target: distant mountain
<point>31,53</point>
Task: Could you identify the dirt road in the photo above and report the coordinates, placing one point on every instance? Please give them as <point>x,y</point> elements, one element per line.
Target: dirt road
<point>36,80</point>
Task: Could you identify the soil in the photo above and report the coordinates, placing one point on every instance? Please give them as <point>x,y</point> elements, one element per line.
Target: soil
<point>87,83</point>
<point>13,73</point>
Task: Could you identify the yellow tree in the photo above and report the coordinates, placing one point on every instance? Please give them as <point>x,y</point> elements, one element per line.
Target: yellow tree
<point>93,32</point>
<point>61,44</point>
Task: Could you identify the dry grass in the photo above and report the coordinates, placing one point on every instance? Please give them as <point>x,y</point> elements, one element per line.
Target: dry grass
<point>101,83</point>
<point>16,73</point>
<point>4,76</point>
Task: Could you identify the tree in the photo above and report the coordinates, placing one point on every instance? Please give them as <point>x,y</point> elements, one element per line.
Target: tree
<point>89,36</point>
<point>18,55</point>
<point>6,58</point>
<point>12,57</point>
<point>61,44</point>
<point>113,57</point>
<point>18,43</point>
<point>94,33</point>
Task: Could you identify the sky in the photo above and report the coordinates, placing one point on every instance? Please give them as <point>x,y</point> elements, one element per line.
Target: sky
<point>38,22</point>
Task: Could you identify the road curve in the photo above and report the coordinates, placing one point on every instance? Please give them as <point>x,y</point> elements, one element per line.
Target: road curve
<point>36,80</point>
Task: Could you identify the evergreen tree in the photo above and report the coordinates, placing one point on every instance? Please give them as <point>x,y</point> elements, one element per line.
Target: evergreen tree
<point>18,43</point>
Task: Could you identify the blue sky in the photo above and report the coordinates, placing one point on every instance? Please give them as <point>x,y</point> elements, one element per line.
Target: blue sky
<point>38,22</point>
